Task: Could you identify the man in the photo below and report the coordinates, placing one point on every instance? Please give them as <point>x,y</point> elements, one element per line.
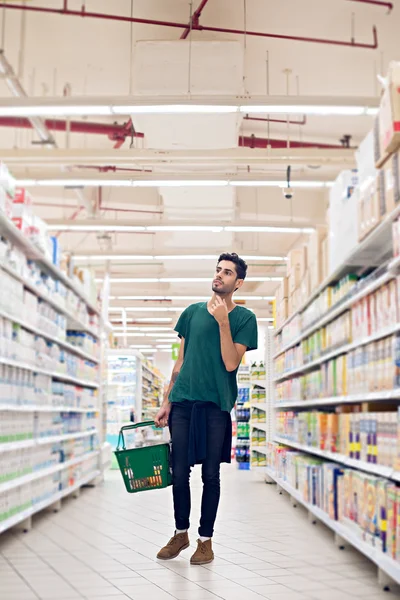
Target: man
<point>203,389</point>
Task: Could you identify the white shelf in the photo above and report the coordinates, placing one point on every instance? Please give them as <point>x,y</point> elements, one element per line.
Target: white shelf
<point>340,350</point>
<point>260,405</point>
<point>22,516</point>
<point>335,311</point>
<point>259,449</point>
<point>386,472</point>
<point>8,229</point>
<point>48,336</point>
<point>75,324</point>
<point>370,252</point>
<point>394,265</point>
<point>384,562</point>
<point>32,443</point>
<point>37,408</point>
<point>382,396</point>
<point>262,426</point>
<point>54,374</point>
<point>18,481</point>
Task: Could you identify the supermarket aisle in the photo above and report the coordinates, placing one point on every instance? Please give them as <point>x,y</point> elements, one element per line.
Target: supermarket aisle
<point>103,546</point>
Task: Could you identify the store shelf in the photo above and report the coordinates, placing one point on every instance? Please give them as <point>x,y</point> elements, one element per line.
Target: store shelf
<point>260,405</point>
<point>385,563</point>
<point>259,449</point>
<point>386,472</point>
<point>48,336</point>
<point>373,251</point>
<point>73,322</point>
<point>61,376</point>
<point>8,229</point>
<point>256,425</point>
<point>34,442</point>
<point>19,481</point>
<point>36,408</point>
<point>340,350</point>
<point>382,396</point>
<point>394,266</point>
<point>337,310</point>
<point>22,516</point>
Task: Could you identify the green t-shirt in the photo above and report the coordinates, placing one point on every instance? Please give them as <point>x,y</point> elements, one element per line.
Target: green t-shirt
<point>203,376</point>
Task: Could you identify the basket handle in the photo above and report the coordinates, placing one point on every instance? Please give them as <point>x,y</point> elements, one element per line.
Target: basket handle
<point>121,439</point>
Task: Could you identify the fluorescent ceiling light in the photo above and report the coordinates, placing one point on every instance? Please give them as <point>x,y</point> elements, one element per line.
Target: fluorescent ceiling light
<point>185,228</point>
<point>83,227</point>
<point>146,308</point>
<point>267,105</point>
<point>265,319</point>
<point>167,335</point>
<point>293,109</point>
<point>173,109</point>
<point>269,229</point>
<point>173,340</point>
<point>164,346</point>
<point>280,184</point>
<point>194,298</point>
<point>175,280</point>
<point>59,182</point>
<point>154,320</point>
<point>101,257</point>
<point>54,111</point>
<point>147,350</point>
<point>213,228</point>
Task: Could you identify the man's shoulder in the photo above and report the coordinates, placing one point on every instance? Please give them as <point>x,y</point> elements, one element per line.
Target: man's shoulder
<point>193,308</point>
<point>244,313</point>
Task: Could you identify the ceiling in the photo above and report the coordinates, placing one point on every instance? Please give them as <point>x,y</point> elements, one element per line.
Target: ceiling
<point>56,55</point>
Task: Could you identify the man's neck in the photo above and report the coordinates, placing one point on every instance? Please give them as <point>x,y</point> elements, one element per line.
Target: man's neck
<point>228,299</point>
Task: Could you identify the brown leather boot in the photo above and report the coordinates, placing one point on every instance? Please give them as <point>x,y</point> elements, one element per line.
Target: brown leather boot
<point>176,544</point>
<point>204,553</point>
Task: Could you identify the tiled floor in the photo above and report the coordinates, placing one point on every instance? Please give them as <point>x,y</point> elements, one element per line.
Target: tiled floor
<point>103,546</point>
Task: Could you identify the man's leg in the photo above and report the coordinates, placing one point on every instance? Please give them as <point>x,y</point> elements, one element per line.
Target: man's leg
<point>216,427</point>
<point>179,428</point>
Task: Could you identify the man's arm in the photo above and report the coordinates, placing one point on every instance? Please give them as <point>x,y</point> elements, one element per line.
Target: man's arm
<point>232,353</point>
<point>161,419</point>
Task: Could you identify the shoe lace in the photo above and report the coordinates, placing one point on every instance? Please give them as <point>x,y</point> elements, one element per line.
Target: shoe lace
<point>202,547</point>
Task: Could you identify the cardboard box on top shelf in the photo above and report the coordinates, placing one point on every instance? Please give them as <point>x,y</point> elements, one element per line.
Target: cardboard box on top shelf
<point>282,292</point>
<point>389,114</point>
<point>304,289</point>
<point>294,259</point>
<point>294,279</point>
<point>315,243</point>
<point>368,209</point>
<point>325,259</point>
<point>391,182</point>
<point>380,192</point>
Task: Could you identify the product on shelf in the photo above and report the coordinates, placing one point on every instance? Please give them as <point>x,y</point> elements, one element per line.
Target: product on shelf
<point>372,437</point>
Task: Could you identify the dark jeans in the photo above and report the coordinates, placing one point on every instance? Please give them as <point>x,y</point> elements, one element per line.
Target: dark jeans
<point>216,423</point>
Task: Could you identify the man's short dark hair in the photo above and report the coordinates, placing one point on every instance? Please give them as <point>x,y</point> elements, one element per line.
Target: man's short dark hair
<point>241,266</point>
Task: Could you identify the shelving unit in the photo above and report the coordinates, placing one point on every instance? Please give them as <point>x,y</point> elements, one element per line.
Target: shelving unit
<point>241,418</point>
<point>152,390</point>
<point>47,467</point>
<point>374,252</point>
<point>342,533</point>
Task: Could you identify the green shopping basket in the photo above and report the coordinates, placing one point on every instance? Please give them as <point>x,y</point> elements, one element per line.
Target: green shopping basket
<point>146,468</point>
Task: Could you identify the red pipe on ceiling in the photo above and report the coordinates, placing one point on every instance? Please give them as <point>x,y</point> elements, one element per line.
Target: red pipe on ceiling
<point>256,142</point>
<point>302,122</point>
<point>195,26</point>
<point>388,5</point>
<point>195,19</point>
<point>114,131</point>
